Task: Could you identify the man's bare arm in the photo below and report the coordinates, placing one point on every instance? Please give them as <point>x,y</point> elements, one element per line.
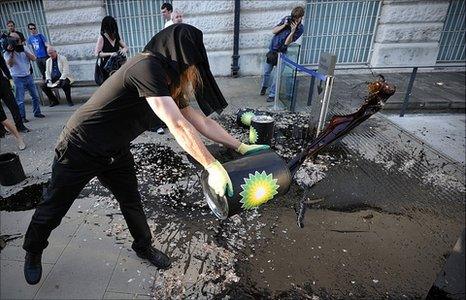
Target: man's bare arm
<point>209,128</point>
<point>185,133</point>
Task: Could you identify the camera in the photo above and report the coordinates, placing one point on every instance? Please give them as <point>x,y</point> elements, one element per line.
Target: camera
<point>8,41</point>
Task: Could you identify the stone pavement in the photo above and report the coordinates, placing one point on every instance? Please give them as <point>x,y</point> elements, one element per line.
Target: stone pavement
<point>83,261</point>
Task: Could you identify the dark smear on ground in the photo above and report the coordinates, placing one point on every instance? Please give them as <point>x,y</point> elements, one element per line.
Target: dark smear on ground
<point>25,199</point>
<point>5,238</point>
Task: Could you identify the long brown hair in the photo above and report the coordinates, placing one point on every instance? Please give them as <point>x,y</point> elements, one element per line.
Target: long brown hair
<point>190,80</point>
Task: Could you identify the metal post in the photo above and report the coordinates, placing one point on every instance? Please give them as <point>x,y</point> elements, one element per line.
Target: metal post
<point>311,91</point>
<point>408,92</point>
<point>278,76</point>
<point>235,56</point>
<point>325,103</point>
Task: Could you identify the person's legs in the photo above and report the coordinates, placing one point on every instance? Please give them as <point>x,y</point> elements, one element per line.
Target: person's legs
<point>120,179</point>
<point>52,99</point>
<point>12,128</point>
<point>41,66</point>
<point>20,90</point>
<point>64,187</point>
<point>266,75</point>
<point>66,87</point>
<point>273,86</point>
<point>34,95</point>
<point>8,98</point>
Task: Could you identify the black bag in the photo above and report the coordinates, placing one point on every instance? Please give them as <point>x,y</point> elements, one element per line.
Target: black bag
<point>272,58</point>
<point>98,73</point>
<point>114,63</point>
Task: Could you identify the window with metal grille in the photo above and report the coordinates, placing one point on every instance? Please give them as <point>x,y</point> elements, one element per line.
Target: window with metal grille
<point>345,28</point>
<point>138,21</point>
<point>23,12</point>
<point>454,29</point>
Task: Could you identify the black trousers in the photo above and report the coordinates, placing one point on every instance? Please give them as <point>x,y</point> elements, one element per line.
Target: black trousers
<point>66,87</point>
<point>6,94</point>
<point>71,171</point>
<point>41,62</point>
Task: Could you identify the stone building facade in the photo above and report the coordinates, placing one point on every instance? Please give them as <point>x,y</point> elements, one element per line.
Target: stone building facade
<point>407,32</point>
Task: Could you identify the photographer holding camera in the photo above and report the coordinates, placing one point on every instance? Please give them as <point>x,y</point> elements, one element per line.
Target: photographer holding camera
<point>18,59</point>
<point>286,32</point>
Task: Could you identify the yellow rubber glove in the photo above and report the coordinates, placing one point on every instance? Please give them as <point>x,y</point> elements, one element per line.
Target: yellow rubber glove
<point>218,179</point>
<point>249,149</point>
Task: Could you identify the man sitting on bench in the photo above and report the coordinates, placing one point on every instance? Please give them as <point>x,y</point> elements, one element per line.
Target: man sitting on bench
<point>57,75</point>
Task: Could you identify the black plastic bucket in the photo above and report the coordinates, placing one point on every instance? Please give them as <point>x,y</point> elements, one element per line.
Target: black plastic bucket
<point>261,130</point>
<point>11,170</point>
<point>256,179</point>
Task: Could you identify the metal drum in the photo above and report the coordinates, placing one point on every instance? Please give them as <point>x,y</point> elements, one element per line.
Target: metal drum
<point>256,180</point>
<point>261,130</point>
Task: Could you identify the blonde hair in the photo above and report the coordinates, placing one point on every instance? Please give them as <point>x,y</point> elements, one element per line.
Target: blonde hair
<point>190,81</point>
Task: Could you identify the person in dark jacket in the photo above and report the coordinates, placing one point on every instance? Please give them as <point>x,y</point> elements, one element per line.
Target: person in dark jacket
<point>286,32</point>
<point>152,87</point>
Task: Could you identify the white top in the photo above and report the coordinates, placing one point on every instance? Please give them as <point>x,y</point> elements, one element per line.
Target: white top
<point>168,23</point>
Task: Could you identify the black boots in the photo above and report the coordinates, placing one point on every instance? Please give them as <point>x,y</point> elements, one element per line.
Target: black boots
<point>156,257</point>
<point>33,267</point>
<point>263,90</point>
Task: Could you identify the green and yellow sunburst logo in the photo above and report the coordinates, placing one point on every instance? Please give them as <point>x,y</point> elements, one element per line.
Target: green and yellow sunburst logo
<point>253,135</point>
<point>246,118</point>
<point>258,189</point>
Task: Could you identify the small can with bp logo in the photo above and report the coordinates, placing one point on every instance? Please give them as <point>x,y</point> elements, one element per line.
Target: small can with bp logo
<point>261,130</point>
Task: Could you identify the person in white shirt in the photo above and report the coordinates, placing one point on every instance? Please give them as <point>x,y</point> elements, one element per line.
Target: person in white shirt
<point>166,10</point>
<point>177,17</point>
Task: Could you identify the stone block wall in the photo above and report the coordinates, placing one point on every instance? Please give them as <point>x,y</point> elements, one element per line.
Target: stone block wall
<point>408,33</point>
<point>74,27</point>
<point>216,20</point>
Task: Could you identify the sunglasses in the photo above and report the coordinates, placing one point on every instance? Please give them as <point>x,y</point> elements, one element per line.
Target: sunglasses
<point>32,28</point>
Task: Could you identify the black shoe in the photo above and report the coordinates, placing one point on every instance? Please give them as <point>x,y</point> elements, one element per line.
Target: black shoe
<point>52,104</point>
<point>263,90</point>
<point>270,99</point>
<point>32,267</point>
<point>23,128</point>
<point>70,103</point>
<point>25,120</point>
<point>156,257</point>
<point>39,116</point>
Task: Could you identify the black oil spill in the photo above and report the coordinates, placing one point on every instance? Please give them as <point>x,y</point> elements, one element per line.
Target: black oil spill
<point>5,238</point>
<point>25,199</point>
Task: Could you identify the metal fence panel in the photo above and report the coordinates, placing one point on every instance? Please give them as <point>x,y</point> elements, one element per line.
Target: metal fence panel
<point>23,12</point>
<point>138,20</point>
<point>454,29</point>
<point>345,28</point>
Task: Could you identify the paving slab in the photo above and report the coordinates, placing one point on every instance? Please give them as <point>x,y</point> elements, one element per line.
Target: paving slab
<point>115,295</point>
<point>89,259</point>
<point>12,283</point>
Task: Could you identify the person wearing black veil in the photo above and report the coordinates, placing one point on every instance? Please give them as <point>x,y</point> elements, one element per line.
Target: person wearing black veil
<point>152,87</point>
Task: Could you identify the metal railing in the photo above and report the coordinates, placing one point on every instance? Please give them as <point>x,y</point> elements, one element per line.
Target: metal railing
<point>345,28</point>
<point>138,21</point>
<point>23,12</point>
<point>453,34</point>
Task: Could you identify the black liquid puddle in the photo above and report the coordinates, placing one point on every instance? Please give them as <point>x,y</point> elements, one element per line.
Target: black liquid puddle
<point>25,199</point>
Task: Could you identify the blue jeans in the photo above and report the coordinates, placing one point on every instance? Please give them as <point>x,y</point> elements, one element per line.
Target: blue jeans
<point>270,76</point>
<point>23,83</point>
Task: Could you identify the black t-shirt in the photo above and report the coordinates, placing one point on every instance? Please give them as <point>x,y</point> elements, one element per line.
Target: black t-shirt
<point>118,111</point>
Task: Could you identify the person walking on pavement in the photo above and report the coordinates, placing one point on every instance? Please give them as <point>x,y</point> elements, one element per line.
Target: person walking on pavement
<point>286,32</point>
<point>6,95</point>
<point>18,59</point>
<point>38,43</point>
<point>57,73</point>
<point>152,87</point>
